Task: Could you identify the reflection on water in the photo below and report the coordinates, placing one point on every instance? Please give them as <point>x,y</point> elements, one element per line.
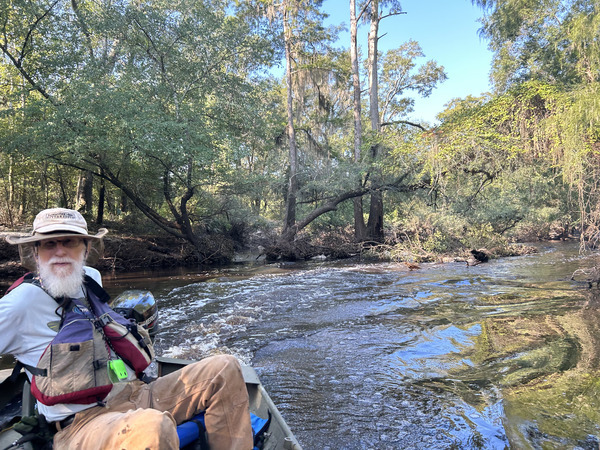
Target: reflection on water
<point>373,356</point>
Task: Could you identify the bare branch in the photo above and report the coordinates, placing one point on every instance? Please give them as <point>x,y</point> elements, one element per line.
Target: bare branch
<point>406,122</point>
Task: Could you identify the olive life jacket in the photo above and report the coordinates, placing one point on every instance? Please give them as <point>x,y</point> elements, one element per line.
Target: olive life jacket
<point>74,366</point>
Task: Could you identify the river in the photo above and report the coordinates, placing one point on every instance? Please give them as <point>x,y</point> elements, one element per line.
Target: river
<point>359,355</point>
<point>376,356</point>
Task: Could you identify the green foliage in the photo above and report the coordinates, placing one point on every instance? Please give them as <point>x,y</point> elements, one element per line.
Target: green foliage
<point>480,141</point>
<point>420,233</point>
<point>153,97</point>
<point>492,169</point>
<point>400,74</point>
<point>551,40</point>
<point>174,106</point>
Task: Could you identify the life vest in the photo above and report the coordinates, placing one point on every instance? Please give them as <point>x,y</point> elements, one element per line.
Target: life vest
<point>74,366</point>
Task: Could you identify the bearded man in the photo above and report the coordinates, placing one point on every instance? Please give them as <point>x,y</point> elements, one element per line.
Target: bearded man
<point>131,414</point>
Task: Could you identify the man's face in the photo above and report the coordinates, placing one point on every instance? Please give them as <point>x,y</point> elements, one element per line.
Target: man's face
<point>60,264</point>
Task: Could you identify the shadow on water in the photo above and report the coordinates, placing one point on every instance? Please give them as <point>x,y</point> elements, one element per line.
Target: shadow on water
<point>373,356</point>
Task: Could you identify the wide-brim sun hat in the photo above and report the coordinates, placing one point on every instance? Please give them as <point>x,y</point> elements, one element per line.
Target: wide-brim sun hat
<point>55,223</point>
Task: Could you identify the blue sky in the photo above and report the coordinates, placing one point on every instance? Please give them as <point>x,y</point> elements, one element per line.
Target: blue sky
<point>447,31</point>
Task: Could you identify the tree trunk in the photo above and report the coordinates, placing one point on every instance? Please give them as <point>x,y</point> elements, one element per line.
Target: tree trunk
<point>101,201</point>
<point>10,202</point>
<point>124,203</point>
<point>375,222</point>
<point>64,197</point>
<point>372,67</point>
<point>290,210</point>
<point>11,182</point>
<point>360,230</point>
<point>85,191</point>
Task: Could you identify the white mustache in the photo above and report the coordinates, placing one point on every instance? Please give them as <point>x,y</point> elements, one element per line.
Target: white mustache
<point>60,260</point>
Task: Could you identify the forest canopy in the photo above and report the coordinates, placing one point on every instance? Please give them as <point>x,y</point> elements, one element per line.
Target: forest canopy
<point>170,117</point>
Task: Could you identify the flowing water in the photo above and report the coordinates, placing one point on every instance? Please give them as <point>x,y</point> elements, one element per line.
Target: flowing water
<point>375,356</point>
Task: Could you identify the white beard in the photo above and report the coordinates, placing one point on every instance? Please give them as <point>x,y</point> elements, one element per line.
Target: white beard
<point>66,282</point>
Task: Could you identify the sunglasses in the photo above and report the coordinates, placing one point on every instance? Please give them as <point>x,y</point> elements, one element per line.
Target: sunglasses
<point>67,243</point>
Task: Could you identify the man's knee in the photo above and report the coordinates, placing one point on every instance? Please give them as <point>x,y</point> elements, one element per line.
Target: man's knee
<point>153,429</point>
<point>159,420</point>
<point>224,366</point>
<point>229,363</point>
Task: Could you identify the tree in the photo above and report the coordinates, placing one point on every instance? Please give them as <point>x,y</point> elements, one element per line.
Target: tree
<point>375,222</point>
<point>360,230</point>
<point>554,41</point>
<point>492,161</point>
<point>398,79</point>
<point>137,93</point>
<point>288,31</point>
<point>303,38</point>
<point>400,75</point>
<point>320,115</point>
<point>315,80</point>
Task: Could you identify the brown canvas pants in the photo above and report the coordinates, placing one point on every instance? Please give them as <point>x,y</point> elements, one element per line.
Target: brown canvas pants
<point>145,416</point>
